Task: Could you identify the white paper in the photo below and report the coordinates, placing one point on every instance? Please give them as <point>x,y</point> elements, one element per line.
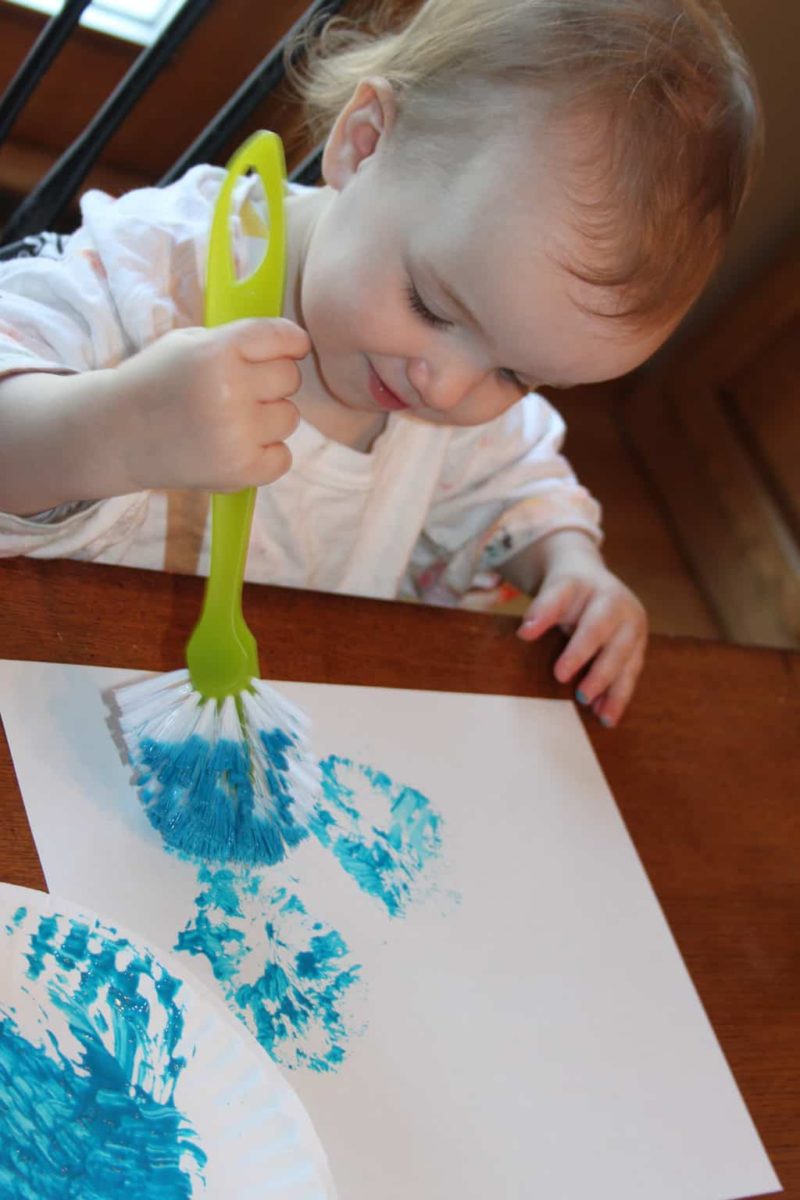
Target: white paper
<point>529,1028</point>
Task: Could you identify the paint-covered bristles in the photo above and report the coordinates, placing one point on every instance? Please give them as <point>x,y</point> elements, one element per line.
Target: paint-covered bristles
<point>227,781</point>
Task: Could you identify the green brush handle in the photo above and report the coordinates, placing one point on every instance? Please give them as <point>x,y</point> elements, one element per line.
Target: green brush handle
<point>221,654</point>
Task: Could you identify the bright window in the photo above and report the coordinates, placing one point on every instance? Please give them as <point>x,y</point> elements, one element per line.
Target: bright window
<point>138,21</point>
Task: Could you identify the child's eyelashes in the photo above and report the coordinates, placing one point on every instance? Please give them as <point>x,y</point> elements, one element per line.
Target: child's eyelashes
<point>419,306</point>
<point>509,376</point>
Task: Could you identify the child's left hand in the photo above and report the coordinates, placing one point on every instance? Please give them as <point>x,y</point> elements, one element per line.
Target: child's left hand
<point>607,625</point>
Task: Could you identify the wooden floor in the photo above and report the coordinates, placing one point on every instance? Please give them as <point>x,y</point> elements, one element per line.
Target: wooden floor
<point>639,544</point>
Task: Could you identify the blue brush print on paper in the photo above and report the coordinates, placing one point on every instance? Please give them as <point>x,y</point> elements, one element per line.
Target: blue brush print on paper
<point>285,974</point>
<point>90,1113</point>
<point>202,800</point>
<point>383,833</point>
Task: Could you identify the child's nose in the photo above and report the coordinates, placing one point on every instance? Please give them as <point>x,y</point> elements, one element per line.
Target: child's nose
<point>442,388</point>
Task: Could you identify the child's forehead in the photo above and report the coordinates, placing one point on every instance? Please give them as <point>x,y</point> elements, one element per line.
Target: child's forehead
<point>483,182</point>
<point>533,170</point>
<point>490,215</point>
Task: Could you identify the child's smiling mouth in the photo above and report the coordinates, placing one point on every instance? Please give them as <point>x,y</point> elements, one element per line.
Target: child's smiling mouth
<point>383,396</point>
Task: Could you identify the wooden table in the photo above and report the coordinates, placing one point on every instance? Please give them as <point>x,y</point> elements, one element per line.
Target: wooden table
<point>705,768</point>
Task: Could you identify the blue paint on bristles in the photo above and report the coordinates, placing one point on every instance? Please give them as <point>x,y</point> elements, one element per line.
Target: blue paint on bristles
<point>222,781</point>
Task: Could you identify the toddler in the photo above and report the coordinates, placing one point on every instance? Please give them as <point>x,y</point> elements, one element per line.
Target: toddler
<point>518,193</point>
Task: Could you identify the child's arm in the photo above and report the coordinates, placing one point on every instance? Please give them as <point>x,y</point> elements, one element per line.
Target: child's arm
<point>108,387</point>
<point>606,624</point>
<point>508,502</point>
<point>197,409</point>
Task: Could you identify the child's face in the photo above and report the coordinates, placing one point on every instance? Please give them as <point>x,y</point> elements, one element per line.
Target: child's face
<point>441,293</point>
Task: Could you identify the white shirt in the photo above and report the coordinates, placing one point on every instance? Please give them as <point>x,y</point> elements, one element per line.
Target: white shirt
<point>423,513</point>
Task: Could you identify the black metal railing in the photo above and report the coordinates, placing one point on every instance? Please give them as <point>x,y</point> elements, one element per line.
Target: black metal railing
<point>51,197</point>
<point>261,81</point>
<point>45,49</point>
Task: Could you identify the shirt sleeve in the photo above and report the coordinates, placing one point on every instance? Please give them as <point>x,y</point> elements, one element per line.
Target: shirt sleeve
<point>130,273</point>
<point>504,485</point>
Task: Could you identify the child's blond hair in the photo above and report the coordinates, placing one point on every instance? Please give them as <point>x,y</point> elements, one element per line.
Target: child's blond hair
<point>664,81</point>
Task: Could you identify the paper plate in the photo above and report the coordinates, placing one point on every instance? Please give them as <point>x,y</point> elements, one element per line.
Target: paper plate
<point>122,1075</point>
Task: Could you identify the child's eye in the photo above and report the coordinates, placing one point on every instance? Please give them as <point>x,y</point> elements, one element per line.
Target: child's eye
<point>419,306</point>
<point>508,376</point>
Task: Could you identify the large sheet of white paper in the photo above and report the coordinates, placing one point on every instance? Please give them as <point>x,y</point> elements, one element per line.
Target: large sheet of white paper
<point>503,1014</point>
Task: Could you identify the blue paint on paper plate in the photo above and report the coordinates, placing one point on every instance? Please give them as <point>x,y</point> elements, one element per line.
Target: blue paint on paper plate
<point>90,1113</point>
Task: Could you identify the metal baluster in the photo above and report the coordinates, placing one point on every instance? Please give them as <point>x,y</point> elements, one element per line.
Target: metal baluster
<point>267,75</point>
<point>52,195</point>
<point>42,53</point>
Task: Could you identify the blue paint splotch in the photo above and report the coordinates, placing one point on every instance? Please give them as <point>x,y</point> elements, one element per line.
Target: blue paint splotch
<point>18,916</point>
<point>384,834</point>
<point>291,987</point>
<point>291,977</point>
<point>221,801</point>
<point>89,1111</point>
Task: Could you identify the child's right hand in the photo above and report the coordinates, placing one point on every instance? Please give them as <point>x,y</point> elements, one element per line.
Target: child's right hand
<point>209,408</point>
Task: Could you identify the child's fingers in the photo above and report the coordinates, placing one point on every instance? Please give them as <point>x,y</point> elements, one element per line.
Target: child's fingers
<point>266,465</point>
<point>581,648</point>
<point>275,461</point>
<point>615,625</point>
<point>622,650</point>
<point>272,380</point>
<point>259,339</point>
<point>551,607</point>
<point>611,704</point>
<point>277,420</point>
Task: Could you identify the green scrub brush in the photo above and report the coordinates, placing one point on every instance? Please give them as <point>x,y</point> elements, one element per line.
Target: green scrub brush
<point>221,760</point>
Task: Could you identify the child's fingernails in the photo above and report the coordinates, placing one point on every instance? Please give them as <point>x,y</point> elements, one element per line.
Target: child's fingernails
<point>605,721</point>
<point>581,697</point>
<point>527,629</point>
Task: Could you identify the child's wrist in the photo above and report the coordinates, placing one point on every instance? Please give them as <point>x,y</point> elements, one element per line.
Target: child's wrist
<point>562,550</point>
<point>564,546</point>
<point>94,435</point>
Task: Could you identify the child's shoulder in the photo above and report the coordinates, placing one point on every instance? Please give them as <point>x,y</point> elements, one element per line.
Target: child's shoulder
<point>151,243</point>
<point>187,200</point>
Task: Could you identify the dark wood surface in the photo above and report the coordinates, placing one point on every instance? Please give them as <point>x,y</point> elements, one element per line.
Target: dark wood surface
<point>705,768</point>
<point>716,428</point>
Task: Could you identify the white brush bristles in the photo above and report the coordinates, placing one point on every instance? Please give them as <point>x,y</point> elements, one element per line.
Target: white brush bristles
<point>233,780</point>
<point>267,709</point>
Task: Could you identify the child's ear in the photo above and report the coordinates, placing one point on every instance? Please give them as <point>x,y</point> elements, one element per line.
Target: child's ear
<point>367,117</point>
